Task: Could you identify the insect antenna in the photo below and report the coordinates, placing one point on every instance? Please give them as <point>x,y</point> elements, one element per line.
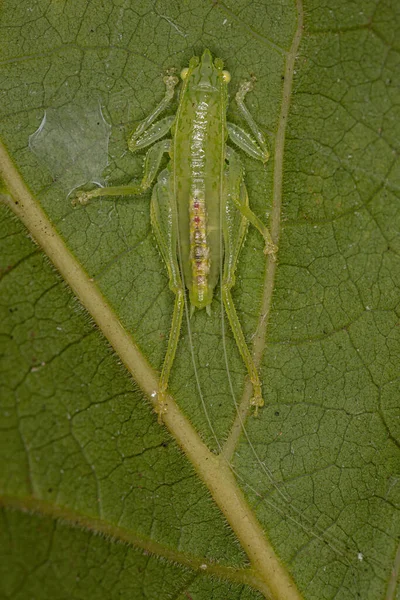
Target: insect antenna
<point>197,378</point>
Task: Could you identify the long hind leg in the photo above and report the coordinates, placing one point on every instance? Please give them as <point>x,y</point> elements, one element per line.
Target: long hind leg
<point>164,222</point>
<point>234,226</point>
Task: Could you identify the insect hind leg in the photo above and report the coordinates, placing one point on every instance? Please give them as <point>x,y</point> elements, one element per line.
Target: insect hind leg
<point>257,399</point>
<point>234,231</point>
<point>164,223</point>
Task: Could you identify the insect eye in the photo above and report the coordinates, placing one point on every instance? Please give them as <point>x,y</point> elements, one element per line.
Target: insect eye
<point>184,73</point>
<point>226,76</point>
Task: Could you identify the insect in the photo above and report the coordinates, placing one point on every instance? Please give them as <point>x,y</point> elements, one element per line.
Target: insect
<point>198,197</point>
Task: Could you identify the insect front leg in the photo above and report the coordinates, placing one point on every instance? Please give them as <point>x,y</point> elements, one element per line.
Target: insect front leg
<point>151,135</point>
<point>151,165</point>
<point>234,227</point>
<point>240,137</point>
<point>239,197</point>
<point>247,143</point>
<point>137,137</point>
<point>164,223</point>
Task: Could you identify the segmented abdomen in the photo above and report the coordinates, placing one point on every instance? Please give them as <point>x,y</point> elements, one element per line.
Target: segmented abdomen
<point>199,249</point>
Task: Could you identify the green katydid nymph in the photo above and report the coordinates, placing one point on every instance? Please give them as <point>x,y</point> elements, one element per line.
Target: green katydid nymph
<point>199,197</point>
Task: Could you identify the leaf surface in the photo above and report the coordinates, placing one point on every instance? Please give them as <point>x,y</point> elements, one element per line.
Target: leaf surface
<point>84,463</point>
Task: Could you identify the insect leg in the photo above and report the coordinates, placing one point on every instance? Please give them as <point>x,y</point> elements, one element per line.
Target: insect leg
<point>151,135</point>
<point>238,195</point>
<point>257,399</point>
<point>151,165</point>
<point>247,143</point>
<point>234,227</point>
<point>170,83</point>
<point>164,223</point>
<point>246,87</point>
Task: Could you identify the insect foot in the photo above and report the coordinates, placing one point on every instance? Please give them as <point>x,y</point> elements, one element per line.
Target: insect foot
<point>245,88</point>
<point>81,198</point>
<point>272,249</point>
<point>170,81</point>
<point>257,400</point>
<point>161,405</point>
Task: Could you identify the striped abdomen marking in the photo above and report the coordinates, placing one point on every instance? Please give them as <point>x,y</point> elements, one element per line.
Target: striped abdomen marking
<point>199,250</point>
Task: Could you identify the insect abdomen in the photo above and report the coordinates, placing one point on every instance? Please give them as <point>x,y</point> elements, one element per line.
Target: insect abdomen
<point>197,161</point>
<point>199,249</point>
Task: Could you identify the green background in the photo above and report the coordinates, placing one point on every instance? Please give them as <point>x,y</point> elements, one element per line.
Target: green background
<point>76,433</point>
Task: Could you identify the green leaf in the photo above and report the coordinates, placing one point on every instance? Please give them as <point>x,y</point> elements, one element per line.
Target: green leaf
<point>100,501</point>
